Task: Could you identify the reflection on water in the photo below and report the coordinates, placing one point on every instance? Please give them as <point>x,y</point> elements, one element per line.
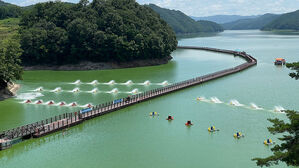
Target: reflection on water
<point>195,35</point>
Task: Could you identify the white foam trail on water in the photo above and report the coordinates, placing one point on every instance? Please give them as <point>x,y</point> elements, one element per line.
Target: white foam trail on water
<point>129,82</point>
<point>94,91</point>
<point>56,90</point>
<point>203,99</point>
<point>146,83</point>
<point>112,82</point>
<point>77,82</point>
<point>39,89</point>
<point>95,82</point>
<point>134,91</point>
<point>36,102</point>
<point>279,109</point>
<point>26,96</point>
<point>75,90</point>
<point>25,101</point>
<point>48,102</point>
<point>200,98</point>
<point>254,106</point>
<point>165,83</point>
<point>61,104</point>
<point>235,103</point>
<point>89,105</point>
<point>215,100</point>
<point>113,91</point>
<point>73,104</point>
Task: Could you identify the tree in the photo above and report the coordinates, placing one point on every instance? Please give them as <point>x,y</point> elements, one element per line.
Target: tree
<point>294,66</point>
<point>101,31</point>
<point>288,150</point>
<point>8,10</point>
<point>10,68</point>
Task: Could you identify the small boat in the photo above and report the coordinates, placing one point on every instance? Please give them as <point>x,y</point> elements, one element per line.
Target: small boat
<point>238,135</point>
<point>212,129</point>
<point>39,102</point>
<point>199,98</point>
<point>28,101</point>
<point>153,114</point>
<point>269,142</point>
<point>169,118</point>
<point>188,123</point>
<point>74,104</point>
<point>62,103</point>
<point>280,61</point>
<point>50,102</point>
<point>89,105</point>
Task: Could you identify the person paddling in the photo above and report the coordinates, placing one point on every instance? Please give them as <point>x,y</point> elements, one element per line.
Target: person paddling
<point>188,123</point>
<point>169,118</point>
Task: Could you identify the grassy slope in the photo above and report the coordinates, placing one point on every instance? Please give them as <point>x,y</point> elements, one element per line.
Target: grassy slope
<point>8,27</point>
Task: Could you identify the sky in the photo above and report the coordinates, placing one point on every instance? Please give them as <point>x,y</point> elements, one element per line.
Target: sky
<point>209,7</point>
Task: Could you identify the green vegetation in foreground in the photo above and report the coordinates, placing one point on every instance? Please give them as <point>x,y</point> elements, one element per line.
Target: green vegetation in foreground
<point>251,23</point>
<point>288,151</point>
<point>294,66</point>
<point>10,68</point>
<point>288,21</point>
<point>8,27</point>
<point>9,11</point>
<point>100,31</point>
<point>183,24</point>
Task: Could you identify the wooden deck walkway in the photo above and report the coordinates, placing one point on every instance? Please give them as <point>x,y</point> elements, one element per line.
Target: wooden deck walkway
<point>66,120</point>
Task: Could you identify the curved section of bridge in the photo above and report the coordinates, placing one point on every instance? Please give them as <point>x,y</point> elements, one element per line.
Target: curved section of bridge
<point>53,124</point>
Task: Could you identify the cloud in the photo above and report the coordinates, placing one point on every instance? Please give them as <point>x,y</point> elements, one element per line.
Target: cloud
<point>30,2</point>
<point>210,7</point>
<point>218,7</point>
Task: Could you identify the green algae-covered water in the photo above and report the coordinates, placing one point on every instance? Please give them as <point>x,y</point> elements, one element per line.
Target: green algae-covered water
<point>131,138</point>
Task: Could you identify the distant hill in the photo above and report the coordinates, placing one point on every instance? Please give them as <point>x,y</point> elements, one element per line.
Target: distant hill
<point>220,19</point>
<point>3,3</point>
<point>8,10</point>
<point>182,23</point>
<point>288,21</point>
<point>253,23</point>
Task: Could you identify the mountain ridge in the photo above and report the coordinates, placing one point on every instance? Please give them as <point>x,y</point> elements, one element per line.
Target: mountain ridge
<point>221,19</point>
<point>183,24</point>
<point>253,23</point>
<point>287,21</point>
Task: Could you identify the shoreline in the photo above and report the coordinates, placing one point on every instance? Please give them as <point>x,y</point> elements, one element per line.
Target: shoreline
<point>10,91</point>
<point>87,65</point>
<point>67,120</point>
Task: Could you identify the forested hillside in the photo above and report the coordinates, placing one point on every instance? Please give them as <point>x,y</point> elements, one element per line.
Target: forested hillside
<point>100,31</point>
<point>253,23</point>
<point>8,10</point>
<point>183,24</point>
<point>288,21</point>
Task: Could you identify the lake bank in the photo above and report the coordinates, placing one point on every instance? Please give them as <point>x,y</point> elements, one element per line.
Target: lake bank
<point>100,65</point>
<point>9,92</point>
